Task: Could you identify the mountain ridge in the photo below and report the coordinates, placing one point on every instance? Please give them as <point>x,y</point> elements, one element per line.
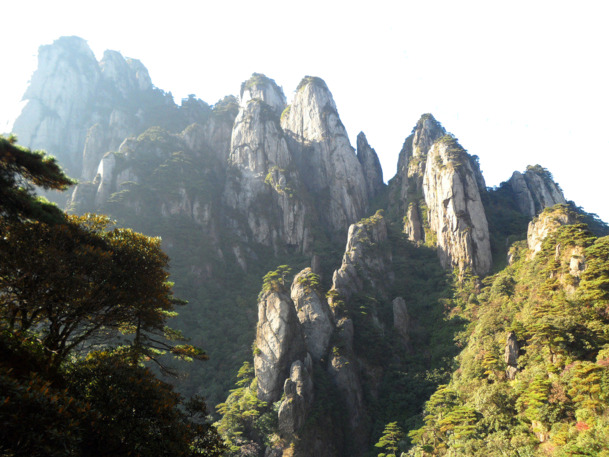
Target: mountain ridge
<point>238,188</point>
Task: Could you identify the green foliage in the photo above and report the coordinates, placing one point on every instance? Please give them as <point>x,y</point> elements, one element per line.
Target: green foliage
<point>70,286</point>
<point>243,416</point>
<point>505,222</point>
<point>276,280</point>
<point>96,406</point>
<point>285,113</point>
<point>559,394</point>
<point>390,441</point>
<point>310,281</point>
<point>21,170</point>
<point>226,109</point>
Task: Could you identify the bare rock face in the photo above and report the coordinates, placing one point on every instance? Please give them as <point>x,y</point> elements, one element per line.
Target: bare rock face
<point>214,136</point>
<point>78,109</point>
<point>279,342</point>
<point>455,211</point>
<point>57,113</point>
<point>411,162</point>
<point>413,224</point>
<point>437,190</point>
<point>126,75</point>
<point>263,88</point>
<point>535,190</point>
<point>298,390</point>
<point>366,264</point>
<point>365,259</point>
<point>313,313</point>
<point>511,355</point>
<point>346,376</point>
<point>262,184</point>
<point>544,224</point>
<point>327,162</point>
<point>401,319</point>
<point>371,166</point>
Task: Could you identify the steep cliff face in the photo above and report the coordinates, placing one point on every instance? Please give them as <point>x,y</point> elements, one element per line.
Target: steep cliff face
<point>263,185</point>
<point>437,190</point>
<point>121,79</point>
<point>293,342</point>
<point>406,185</point>
<point>366,265</point>
<point>371,166</point>
<point>327,162</point>
<point>367,259</point>
<point>279,343</point>
<point>313,313</point>
<point>78,108</point>
<point>455,210</point>
<point>59,97</point>
<point>535,190</point>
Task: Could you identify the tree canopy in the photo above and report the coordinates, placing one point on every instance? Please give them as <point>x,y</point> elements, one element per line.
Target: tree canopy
<point>82,305</point>
<point>21,170</point>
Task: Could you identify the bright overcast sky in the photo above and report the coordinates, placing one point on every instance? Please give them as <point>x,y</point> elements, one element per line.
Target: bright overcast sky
<point>519,82</point>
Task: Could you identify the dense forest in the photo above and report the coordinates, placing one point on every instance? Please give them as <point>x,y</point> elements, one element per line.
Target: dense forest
<point>83,305</point>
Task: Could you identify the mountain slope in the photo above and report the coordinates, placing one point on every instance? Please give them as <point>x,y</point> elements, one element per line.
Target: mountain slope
<point>363,334</point>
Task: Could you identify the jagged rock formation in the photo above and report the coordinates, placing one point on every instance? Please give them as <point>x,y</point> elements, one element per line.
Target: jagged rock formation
<point>287,329</point>
<point>313,313</point>
<point>571,255</point>
<point>263,185</point>
<point>298,391</point>
<point>78,108</point>
<point>455,210</point>
<point>511,355</point>
<point>359,266</point>
<point>438,191</point>
<point>366,265</point>
<point>535,190</point>
<point>327,162</point>
<point>279,342</point>
<point>544,224</point>
<point>241,186</point>
<point>59,97</point>
<point>371,166</point>
<point>406,186</point>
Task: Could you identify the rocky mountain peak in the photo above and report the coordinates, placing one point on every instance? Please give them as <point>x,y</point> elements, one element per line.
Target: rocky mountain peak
<point>535,190</point>
<point>425,133</point>
<point>365,259</point>
<point>262,169</point>
<point>438,190</point>
<point>547,222</point>
<point>127,75</point>
<point>326,160</point>
<point>259,86</point>
<point>455,210</point>
<point>58,98</point>
<point>322,122</point>
<point>408,180</point>
<point>371,166</point>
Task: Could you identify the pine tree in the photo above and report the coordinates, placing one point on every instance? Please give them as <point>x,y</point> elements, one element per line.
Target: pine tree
<point>390,441</point>
<point>21,170</point>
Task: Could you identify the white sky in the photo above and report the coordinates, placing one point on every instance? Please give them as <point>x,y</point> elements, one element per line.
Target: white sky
<point>519,82</point>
